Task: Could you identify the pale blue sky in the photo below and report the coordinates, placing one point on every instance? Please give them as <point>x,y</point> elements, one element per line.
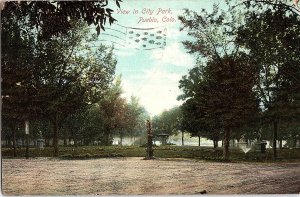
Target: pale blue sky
<point>153,76</point>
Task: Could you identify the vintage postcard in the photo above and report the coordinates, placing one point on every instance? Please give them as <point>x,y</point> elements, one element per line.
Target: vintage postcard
<point>146,97</point>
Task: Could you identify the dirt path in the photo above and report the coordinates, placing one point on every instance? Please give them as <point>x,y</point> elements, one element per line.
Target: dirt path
<point>133,176</point>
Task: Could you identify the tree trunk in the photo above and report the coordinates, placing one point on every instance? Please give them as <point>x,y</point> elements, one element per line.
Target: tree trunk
<point>87,142</point>
<point>55,135</point>
<point>275,123</point>
<point>27,146</point>
<point>65,137</point>
<point>131,138</point>
<point>121,137</point>
<point>295,142</point>
<point>199,142</point>
<point>106,138</point>
<point>65,141</point>
<point>75,142</point>
<point>9,143</point>
<point>280,144</point>
<point>182,138</point>
<point>47,143</point>
<point>215,143</point>
<point>14,141</point>
<point>226,144</point>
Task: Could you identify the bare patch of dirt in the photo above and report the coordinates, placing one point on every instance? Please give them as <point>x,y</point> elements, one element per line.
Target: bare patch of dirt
<point>133,176</point>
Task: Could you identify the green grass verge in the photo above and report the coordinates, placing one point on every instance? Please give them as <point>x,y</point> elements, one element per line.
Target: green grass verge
<point>204,153</point>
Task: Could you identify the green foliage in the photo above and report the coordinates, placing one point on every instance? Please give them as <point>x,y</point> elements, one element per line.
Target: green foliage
<point>272,40</point>
<point>57,77</point>
<point>271,37</point>
<point>18,64</point>
<point>136,115</point>
<point>168,122</point>
<point>75,82</point>
<point>249,76</point>
<point>222,97</point>
<point>112,108</point>
<point>120,116</point>
<point>218,92</point>
<point>42,14</point>
<point>211,34</point>
<point>112,115</point>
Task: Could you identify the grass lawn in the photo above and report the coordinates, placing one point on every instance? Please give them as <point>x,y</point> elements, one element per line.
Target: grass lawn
<point>206,153</point>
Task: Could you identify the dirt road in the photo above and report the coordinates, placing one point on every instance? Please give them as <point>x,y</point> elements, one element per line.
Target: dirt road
<point>48,176</point>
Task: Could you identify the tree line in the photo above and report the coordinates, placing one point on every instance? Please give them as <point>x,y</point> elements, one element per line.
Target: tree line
<point>246,82</point>
<point>54,77</point>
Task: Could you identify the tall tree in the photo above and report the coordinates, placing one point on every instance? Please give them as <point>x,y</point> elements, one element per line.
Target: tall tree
<point>77,77</point>
<point>112,110</point>
<point>223,90</point>
<point>65,75</point>
<point>271,34</point>
<point>52,76</point>
<point>134,117</point>
<point>225,96</point>
<point>18,63</point>
<point>193,120</point>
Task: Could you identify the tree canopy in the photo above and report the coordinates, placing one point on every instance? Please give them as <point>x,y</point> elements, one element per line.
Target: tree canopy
<point>41,14</point>
<point>247,68</point>
<point>51,78</point>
